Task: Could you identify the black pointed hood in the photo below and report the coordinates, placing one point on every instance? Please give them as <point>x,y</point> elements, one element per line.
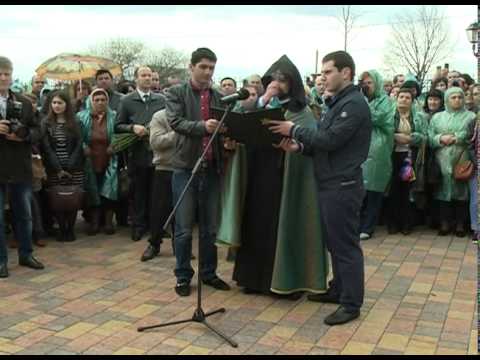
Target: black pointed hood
<point>284,65</point>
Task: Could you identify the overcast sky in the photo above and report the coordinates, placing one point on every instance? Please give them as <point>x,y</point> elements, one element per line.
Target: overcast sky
<point>246,38</point>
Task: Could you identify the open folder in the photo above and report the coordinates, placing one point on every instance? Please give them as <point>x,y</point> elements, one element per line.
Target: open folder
<point>251,128</point>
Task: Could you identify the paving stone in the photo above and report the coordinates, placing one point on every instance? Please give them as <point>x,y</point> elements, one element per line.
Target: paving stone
<point>96,292</point>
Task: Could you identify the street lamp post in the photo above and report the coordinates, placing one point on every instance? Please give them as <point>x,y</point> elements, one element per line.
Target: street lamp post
<point>473,34</point>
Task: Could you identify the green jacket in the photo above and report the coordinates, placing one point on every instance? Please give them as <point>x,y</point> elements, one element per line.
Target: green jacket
<point>377,169</point>
<point>109,188</point>
<point>456,123</point>
<point>301,261</point>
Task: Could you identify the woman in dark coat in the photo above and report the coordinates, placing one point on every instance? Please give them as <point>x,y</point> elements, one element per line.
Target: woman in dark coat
<point>63,154</point>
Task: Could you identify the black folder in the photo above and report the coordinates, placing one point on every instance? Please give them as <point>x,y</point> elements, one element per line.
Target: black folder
<point>251,128</point>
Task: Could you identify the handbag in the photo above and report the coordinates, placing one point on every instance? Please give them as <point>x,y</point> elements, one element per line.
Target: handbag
<point>65,198</point>
<point>123,180</point>
<point>407,173</point>
<point>38,170</point>
<point>463,170</point>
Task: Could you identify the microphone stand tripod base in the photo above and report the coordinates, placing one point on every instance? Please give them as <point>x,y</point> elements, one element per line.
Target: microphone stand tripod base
<point>198,316</point>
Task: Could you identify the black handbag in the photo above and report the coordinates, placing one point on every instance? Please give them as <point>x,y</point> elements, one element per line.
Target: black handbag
<point>65,198</point>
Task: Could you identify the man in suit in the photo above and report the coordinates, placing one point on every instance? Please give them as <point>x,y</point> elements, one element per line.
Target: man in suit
<point>134,115</point>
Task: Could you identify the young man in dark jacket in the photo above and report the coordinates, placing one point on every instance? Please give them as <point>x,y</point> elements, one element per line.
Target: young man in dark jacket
<point>188,113</point>
<point>339,147</point>
<point>17,131</point>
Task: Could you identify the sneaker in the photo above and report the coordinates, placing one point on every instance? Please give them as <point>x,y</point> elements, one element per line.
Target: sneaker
<point>475,237</point>
<point>182,288</point>
<point>217,283</point>
<point>364,236</point>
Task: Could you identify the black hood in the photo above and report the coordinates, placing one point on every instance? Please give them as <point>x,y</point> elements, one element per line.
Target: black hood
<point>298,100</point>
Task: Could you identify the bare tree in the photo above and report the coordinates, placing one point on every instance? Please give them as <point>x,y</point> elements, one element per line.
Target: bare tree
<point>125,52</point>
<point>418,40</point>
<point>347,20</point>
<point>167,62</point>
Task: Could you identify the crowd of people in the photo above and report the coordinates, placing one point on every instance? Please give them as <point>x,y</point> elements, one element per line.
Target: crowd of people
<point>403,155</point>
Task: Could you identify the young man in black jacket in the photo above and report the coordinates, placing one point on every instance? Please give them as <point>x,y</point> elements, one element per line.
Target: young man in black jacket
<point>188,113</point>
<point>17,132</point>
<point>339,147</point>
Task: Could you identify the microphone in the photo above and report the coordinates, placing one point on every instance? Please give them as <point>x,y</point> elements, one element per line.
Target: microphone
<point>241,94</point>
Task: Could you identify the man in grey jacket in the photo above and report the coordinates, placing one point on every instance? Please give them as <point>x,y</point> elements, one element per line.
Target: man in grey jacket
<point>162,141</point>
<point>188,112</point>
<point>134,115</point>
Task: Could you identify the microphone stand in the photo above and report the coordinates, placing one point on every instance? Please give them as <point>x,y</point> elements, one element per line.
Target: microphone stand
<point>199,315</point>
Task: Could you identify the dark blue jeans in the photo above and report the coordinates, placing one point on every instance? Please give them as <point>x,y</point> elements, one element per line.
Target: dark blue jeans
<point>20,202</point>
<point>203,194</point>
<point>370,211</point>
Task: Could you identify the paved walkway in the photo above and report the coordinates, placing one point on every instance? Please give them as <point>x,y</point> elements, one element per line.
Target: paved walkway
<point>94,293</point>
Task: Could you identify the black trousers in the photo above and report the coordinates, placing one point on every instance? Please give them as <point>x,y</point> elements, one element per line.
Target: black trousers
<point>162,205</point>
<point>340,220</point>
<point>454,212</point>
<point>143,178</point>
<point>399,208</point>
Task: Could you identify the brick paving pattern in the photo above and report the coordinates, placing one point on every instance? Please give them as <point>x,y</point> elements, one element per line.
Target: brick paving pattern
<point>420,298</point>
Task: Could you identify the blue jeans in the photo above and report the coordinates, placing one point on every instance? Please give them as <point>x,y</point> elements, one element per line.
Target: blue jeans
<point>20,202</point>
<point>473,203</point>
<point>203,194</point>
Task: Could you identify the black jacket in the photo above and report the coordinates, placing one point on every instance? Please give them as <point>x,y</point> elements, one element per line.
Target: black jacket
<point>134,111</point>
<point>49,146</point>
<point>341,143</point>
<point>115,98</point>
<point>16,157</point>
<point>184,116</point>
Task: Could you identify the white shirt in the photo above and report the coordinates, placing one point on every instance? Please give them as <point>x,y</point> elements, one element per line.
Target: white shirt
<point>142,94</point>
<point>3,106</point>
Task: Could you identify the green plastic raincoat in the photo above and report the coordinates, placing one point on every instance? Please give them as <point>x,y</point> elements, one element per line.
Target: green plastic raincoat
<point>377,169</point>
<point>456,123</point>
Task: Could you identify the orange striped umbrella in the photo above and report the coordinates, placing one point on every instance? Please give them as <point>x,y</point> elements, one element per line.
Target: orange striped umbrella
<point>76,67</point>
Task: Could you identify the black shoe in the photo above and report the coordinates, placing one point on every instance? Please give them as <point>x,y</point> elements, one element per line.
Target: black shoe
<point>137,234</point>
<point>249,291</point>
<point>292,297</point>
<point>324,298</point>
<point>69,236</point>
<point>3,271</point>
<point>217,283</point>
<point>31,262</point>
<point>150,253</point>
<point>392,230</point>
<point>182,288</point>
<point>406,232</point>
<point>461,233</point>
<point>341,316</point>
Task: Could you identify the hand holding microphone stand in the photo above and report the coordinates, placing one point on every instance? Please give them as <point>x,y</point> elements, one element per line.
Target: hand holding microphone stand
<point>199,315</point>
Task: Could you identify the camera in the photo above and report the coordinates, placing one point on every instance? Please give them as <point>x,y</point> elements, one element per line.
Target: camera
<point>456,83</point>
<point>14,113</point>
<point>14,110</point>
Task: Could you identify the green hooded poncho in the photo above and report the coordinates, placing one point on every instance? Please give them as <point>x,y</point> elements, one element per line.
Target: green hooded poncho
<point>456,123</point>
<point>109,188</point>
<point>300,256</point>
<point>377,169</point>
